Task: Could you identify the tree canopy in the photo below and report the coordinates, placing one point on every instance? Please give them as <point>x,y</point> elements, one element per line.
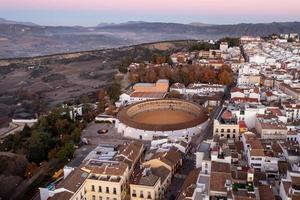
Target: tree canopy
<point>183,74</point>
<point>53,133</point>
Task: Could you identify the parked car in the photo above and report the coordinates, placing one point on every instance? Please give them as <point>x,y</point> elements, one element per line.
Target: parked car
<point>102,131</point>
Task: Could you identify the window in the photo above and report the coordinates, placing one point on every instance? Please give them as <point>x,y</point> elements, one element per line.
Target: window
<point>228,135</point>
<point>100,198</point>
<point>114,191</point>
<point>93,197</point>
<point>149,195</point>
<point>222,130</point>
<point>217,130</point>
<point>233,131</point>
<point>93,188</point>
<point>228,130</point>
<point>100,189</point>
<point>133,193</point>
<point>256,164</point>
<point>141,194</point>
<point>107,189</point>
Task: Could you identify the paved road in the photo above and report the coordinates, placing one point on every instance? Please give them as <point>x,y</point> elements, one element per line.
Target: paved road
<point>111,137</point>
<point>189,160</point>
<point>207,133</point>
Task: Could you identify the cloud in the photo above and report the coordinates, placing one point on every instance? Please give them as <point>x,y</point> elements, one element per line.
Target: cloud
<point>201,6</point>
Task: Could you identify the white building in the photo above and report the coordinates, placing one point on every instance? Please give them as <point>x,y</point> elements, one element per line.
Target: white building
<point>257,59</point>
<point>292,110</point>
<point>256,156</point>
<point>247,113</point>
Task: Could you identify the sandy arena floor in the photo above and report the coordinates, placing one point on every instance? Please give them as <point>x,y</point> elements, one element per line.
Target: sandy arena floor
<point>163,117</point>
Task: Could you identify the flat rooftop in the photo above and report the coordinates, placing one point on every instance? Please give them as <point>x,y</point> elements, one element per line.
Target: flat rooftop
<point>156,95</point>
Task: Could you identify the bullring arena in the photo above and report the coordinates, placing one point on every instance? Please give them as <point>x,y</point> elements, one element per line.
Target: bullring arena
<point>172,118</point>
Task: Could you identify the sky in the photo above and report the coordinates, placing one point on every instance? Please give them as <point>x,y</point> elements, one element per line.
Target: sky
<point>93,12</point>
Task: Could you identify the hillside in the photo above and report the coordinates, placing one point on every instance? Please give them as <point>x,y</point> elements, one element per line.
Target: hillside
<point>40,83</point>
<point>25,40</point>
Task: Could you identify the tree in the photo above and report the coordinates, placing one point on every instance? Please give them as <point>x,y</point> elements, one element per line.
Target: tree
<point>66,152</point>
<point>30,169</point>
<point>158,59</point>
<point>133,76</point>
<point>226,68</point>
<point>151,76</point>
<point>101,106</point>
<point>84,99</point>
<point>26,131</point>
<point>11,142</point>
<point>175,94</point>
<point>75,135</point>
<point>123,69</point>
<point>88,113</point>
<point>61,126</point>
<point>101,95</point>
<point>214,53</point>
<point>169,60</point>
<point>225,78</point>
<point>52,153</point>
<point>184,75</point>
<point>208,75</point>
<point>114,91</point>
<point>39,144</point>
<point>232,42</point>
<point>172,197</point>
<point>202,46</point>
<point>124,64</point>
<point>37,154</point>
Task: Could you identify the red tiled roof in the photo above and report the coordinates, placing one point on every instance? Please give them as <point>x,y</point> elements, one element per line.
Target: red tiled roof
<point>242,124</point>
<point>245,99</point>
<point>269,94</point>
<point>236,89</point>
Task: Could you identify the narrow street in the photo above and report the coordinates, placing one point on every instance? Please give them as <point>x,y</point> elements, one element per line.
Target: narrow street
<point>189,160</point>
<point>179,177</point>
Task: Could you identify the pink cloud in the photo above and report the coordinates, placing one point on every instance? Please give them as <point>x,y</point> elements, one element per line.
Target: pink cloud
<point>217,7</point>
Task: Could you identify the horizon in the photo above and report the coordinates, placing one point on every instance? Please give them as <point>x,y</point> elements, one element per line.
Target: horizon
<point>92,12</point>
<point>141,21</point>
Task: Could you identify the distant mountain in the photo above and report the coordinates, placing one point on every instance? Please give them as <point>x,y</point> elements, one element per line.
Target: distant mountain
<point>199,24</point>
<point>104,24</point>
<point>4,21</point>
<point>22,39</point>
<point>210,31</point>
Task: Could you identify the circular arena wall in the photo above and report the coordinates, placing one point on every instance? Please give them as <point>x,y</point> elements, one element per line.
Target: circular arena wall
<point>172,118</point>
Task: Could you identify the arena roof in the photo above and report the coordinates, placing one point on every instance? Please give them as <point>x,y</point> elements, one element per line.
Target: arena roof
<point>199,117</point>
